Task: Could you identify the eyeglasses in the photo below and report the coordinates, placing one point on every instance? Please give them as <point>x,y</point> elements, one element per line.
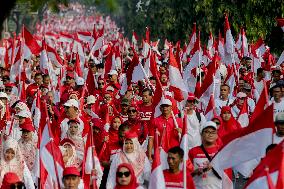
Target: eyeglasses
<point>133,111</point>
<point>120,174</point>
<point>69,78</point>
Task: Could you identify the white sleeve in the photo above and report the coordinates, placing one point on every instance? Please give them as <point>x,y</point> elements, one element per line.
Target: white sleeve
<point>111,179</point>
<point>147,169</point>
<point>28,179</point>
<point>203,119</point>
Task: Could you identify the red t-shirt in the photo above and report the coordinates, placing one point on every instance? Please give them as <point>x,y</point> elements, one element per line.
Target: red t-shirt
<point>145,112</point>
<point>175,181</point>
<point>168,135</point>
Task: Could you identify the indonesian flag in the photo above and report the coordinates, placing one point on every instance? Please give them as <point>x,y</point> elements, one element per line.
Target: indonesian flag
<point>30,46</point>
<point>85,36</point>
<point>49,163</point>
<point>176,81</point>
<point>99,42</point>
<point>280,59</point>
<point>53,56</point>
<point>16,66</point>
<point>65,37</point>
<point>22,91</point>
<point>157,99</point>
<point>243,117</point>
<point>210,45</point>
<point>35,110</point>
<point>261,104</point>
<point>229,43</point>
<point>134,38</point>
<point>280,23</point>
<point>192,39</point>
<point>208,83</point>
<point>45,65</point>
<point>243,145</point>
<point>231,78</point>
<point>91,162</point>
<point>269,173</point>
<point>210,111</point>
<point>135,71</point>
<point>196,54</point>
<point>221,48</point>
<point>157,180</point>
<point>259,47</point>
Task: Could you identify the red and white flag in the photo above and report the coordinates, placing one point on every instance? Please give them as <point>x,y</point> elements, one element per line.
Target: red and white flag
<point>135,71</point>
<point>229,43</point>
<point>245,142</point>
<point>210,111</point>
<point>49,163</point>
<point>176,81</point>
<point>261,104</point>
<point>91,162</point>
<point>157,180</point>
<point>269,174</point>
<point>134,38</point>
<point>30,46</point>
<point>243,117</point>
<point>192,39</point>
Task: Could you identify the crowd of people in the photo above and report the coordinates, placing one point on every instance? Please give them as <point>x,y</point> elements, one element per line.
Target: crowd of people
<point>76,116</point>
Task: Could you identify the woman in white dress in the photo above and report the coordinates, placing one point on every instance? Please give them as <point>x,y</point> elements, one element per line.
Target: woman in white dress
<point>134,155</point>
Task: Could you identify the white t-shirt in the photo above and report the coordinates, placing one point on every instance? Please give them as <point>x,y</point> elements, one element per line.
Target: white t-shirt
<point>277,139</point>
<point>220,103</point>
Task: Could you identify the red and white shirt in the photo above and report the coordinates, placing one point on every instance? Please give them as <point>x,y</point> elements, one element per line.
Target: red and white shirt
<point>208,180</point>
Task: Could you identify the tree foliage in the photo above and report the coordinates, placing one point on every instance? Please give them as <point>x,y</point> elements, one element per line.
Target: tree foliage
<point>173,19</point>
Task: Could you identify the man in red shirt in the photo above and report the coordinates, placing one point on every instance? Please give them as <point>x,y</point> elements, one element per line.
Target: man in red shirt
<point>32,89</point>
<point>203,175</point>
<point>165,124</point>
<point>173,175</point>
<point>146,108</point>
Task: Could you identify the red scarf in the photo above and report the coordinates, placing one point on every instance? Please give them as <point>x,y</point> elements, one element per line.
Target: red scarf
<point>133,182</point>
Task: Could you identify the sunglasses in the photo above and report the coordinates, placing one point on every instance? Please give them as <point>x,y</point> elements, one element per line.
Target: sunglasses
<point>120,174</point>
<point>8,90</point>
<point>69,78</point>
<point>101,83</point>
<point>133,111</point>
<point>217,123</point>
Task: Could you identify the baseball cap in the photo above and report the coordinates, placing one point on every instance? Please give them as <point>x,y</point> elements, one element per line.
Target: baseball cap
<point>3,95</point>
<point>72,102</point>
<point>24,113</point>
<point>279,117</point>
<point>113,72</point>
<point>10,178</point>
<point>71,171</point>
<point>241,95</point>
<point>91,99</point>
<point>247,86</point>
<point>80,81</point>
<point>70,74</point>
<point>27,126</point>
<point>191,97</point>
<point>166,101</point>
<point>209,124</point>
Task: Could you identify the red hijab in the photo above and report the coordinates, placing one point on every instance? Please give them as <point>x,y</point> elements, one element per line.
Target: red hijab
<point>133,182</point>
<point>230,125</point>
<point>113,134</point>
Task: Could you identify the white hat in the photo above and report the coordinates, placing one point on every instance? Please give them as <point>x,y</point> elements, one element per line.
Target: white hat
<point>24,113</point>
<point>3,95</point>
<point>80,81</point>
<point>279,117</point>
<point>166,102</point>
<point>209,124</point>
<point>91,99</point>
<point>110,88</point>
<point>241,95</point>
<point>113,72</point>
<point>72,102</point>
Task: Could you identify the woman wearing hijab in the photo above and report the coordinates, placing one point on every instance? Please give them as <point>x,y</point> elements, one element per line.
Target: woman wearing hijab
<point>133,154</point>
<point>13,161</point>
<point>229,123</point>
<point>74,135</point>
<point>125,177</point>
<point>70,157</point>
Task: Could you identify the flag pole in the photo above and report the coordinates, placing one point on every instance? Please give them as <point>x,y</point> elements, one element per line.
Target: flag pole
<point>93,180</point>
